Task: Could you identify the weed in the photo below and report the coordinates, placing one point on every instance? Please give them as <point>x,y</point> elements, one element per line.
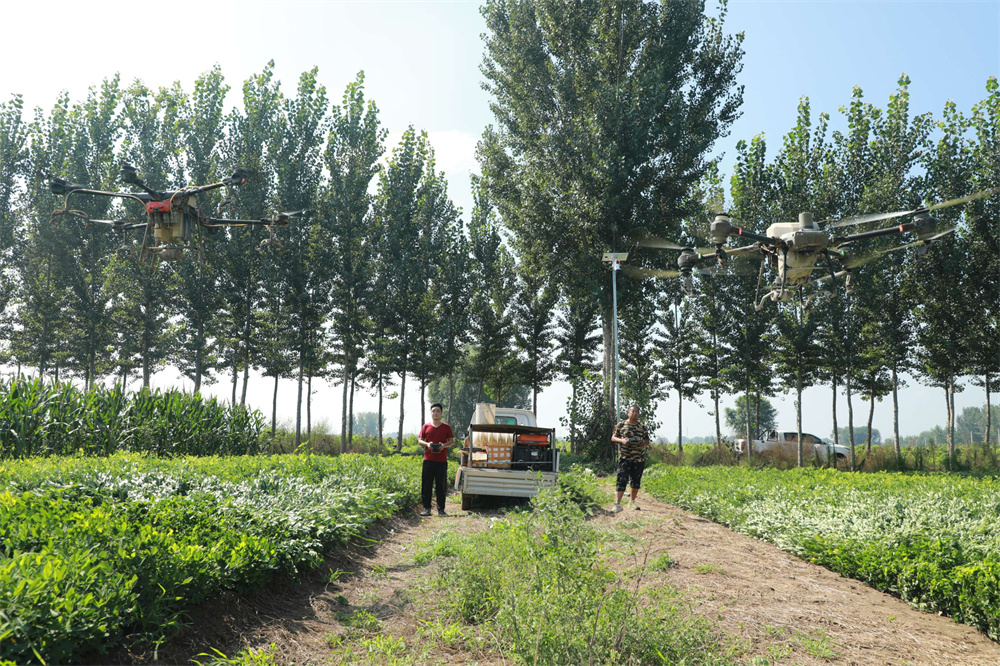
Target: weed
<point>661,563</point>
<point>248,657</point>
<point>709,568</point>
<point>384,645</point>
<point>379,572</point>
<point>362,620</point>
<point>820,647</point>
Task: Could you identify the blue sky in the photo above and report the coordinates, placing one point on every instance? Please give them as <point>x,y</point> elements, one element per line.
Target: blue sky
<point>421,62</point>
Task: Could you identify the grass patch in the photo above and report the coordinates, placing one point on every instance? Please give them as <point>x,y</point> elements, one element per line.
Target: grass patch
<point>536,584</point>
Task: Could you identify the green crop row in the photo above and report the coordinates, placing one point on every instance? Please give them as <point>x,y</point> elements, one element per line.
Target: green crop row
<point>932,540</point>
<point>40,419</point>
<point>94,552</point>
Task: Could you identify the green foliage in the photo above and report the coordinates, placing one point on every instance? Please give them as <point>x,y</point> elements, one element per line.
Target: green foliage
<point>736,417</point>
<point>96,551</point>
<point>931,540</point>
<point>39,418</point>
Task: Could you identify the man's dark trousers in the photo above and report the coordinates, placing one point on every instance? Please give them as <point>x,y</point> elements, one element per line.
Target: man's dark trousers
<point>434,473</point>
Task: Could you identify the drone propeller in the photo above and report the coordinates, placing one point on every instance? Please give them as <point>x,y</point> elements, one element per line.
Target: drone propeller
<point>825,278</point>
<point>860,260</point>
<point>638,273</point>
<point>281,219</point>
<point>643,238</point>
<point>863,219</point>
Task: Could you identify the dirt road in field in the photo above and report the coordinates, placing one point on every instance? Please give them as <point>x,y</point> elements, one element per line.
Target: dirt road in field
<point>770,606</point>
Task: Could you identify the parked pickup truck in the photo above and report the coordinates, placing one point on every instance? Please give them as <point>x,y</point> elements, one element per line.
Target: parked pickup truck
<point>771,440</point>
<point>505,455</point>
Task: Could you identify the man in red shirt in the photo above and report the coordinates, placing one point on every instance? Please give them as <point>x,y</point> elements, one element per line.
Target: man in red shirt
<point>435,438</point>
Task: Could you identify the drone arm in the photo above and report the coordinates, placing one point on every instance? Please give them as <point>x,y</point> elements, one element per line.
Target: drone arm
<point>752,236</point>
<point>222,222</point>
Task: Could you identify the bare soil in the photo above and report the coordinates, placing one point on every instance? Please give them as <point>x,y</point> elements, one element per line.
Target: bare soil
<point>772,607</point>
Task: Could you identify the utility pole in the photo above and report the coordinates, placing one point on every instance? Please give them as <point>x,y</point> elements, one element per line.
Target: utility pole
<point>615,259</point>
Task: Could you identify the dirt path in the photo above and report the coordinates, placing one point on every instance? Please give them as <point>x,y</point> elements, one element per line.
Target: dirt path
<point>774,607</point>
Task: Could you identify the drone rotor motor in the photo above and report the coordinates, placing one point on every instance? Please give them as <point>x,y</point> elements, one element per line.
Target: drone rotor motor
<point>924,226</point>
<point>720,228</point>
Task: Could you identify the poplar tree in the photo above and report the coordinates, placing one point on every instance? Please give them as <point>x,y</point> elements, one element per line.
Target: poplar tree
<point>354,146</point>
<point>400,252</point>
<point>533,324</point>
<point>198,296</point>
<point>605,114</point>
<point>577,339</point>
<point>251,145</point>
<point>14,167</point>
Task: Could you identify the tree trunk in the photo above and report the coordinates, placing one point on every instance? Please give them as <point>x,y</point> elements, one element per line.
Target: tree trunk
<point>895,416</point>
<point>850,425</point>
<point>309,405</point>
<point>380,448</point>
<point>746,407</point>
<point>198,362</point>
<point>451,392</point>
<point>274,406</point>
<point>798,415</point>
<point>236,380</point>
<point>989,422</point>
<point>718,426</point>
<point>298,407</point>
<point>949,393</point>
<point>402,397</point>
<point>423,401</point>
<point>145,370</point>
<point>246,380</point>
<point>343,410</point>
<point>836,434</point>
<point>350,411</point>
<point>871,416</point>
<point>573,444</point>
<point>680,429</point>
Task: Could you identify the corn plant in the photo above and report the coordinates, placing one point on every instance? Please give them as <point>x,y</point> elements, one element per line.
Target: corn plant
<point>39,419</point>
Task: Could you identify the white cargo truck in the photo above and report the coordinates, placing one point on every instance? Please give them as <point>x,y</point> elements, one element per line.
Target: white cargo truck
<point>505,454</point>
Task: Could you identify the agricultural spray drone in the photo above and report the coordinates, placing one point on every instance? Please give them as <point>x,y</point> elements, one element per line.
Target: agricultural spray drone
<point>796,251</point>
<point>174,220</point>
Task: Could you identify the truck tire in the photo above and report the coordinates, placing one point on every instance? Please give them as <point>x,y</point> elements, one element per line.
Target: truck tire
<point>468,502</point>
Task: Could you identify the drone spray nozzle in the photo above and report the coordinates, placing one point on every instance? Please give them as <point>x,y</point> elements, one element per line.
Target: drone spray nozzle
<point>129,175</point>
<point>60,187</point>
<point>238,178</point>
<point>720,228</point>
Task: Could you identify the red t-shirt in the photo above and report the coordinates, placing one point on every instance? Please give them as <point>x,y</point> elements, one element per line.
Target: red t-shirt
<point>438,435</point>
